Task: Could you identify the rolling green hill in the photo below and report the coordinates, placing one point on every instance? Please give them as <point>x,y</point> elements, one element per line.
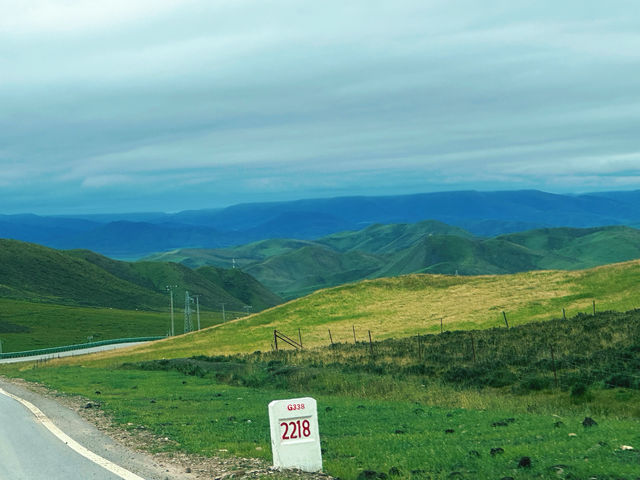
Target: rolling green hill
<point>392,238</point>
<point>416,304</point>
<point>293,268</point>
<point>312,267</point>
<point>32,272</point>
<point>80,277</point>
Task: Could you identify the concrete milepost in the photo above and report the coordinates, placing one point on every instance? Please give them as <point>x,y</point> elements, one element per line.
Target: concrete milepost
<point>295,437</point>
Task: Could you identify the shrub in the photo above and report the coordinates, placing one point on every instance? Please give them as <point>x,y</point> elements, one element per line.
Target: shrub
<point>579,390</point>
<point>619,380</point>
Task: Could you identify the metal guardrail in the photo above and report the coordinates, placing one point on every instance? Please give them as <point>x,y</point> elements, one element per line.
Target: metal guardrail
<point>68,348</point>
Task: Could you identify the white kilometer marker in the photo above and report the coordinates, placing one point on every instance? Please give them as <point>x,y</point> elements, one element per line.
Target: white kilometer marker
<point>295,438</point>
<point>71,443</point>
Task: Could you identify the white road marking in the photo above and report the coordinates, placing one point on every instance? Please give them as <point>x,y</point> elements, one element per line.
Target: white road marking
<point>71,443</point>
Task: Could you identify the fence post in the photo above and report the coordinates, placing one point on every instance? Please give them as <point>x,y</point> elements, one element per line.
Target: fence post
<point>370,342</point>
<point>275,339</point>
<point>419,347</point>
<point>564,315</point>
<point>354,335</point>
<point>553,364</point>
<point>330,337</point>
<point>505,319</point>
<point>473,348</point>
<point>300,338</point>
<point>440,324</point>
<point>594,307</point>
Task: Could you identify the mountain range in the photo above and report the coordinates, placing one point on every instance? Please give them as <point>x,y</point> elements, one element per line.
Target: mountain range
<point>484,214</point>
<point>294,268</point>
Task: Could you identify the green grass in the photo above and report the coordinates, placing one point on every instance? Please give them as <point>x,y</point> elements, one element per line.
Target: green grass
<point>406,407</point>
<point>83,278</point>
<point>412,305</point>
<point>28,326</point>
<point>418,406</point>
<point>414,438</point>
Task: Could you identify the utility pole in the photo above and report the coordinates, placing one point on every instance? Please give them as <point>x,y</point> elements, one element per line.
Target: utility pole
<point>170,290</point>
<point>197,297</point>
<point>188,326</point>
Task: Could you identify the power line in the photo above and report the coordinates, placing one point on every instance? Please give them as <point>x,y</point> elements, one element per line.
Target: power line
<point>170,290</point>
<point>188,325</point>
<point>197,297</point>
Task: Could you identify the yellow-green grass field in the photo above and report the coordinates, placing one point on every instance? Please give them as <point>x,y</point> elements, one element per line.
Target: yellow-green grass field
<point>409,305</point>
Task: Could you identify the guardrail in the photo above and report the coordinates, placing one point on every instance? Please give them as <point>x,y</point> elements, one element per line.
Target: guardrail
<point>68,348</point>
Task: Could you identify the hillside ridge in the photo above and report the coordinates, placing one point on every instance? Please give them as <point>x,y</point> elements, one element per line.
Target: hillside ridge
<point>80,277</point>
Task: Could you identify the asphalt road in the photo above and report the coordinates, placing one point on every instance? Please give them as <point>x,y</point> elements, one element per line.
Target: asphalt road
<point>29,451</point>
<point>70,353</point>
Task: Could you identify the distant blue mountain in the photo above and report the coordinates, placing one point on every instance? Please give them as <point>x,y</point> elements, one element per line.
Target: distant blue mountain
<point>481,213</point>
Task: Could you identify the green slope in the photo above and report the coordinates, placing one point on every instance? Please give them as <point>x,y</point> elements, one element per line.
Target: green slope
<point>580,248</point>
<point>242,286</point>
<point>81,277</point>
<point>294,268</point>
<point>312,267</point>
<point>32,272</point>
<point>390,238</point>
<point>416,304</point>
<point>240,256</point>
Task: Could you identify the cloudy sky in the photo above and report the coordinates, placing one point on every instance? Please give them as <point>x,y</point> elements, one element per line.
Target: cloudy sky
<point>137,105</point>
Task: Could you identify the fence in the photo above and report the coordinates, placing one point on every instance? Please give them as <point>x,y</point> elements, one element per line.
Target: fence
<point>68,348</point>
<point>561,353</point>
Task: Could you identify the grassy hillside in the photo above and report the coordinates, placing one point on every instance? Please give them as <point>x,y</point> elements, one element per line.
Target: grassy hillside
<point>29,326</point>
<point>579,248</point>
<point>80,277</point>
<point>555,399</point>
<point>445,390</point>
<point>32,272</point>
<point>390,238</point>
<point>313,267</point>
<point>417,304</point>
<point>241,286</point>
<point>294,268</point>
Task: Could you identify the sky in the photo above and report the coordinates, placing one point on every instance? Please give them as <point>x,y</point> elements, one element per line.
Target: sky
<point>167,105</point>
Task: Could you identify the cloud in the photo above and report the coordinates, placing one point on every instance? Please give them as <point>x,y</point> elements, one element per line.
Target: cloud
<point>291,99</point>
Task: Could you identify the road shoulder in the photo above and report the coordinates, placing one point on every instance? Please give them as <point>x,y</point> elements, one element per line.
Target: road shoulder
<point>87,424</point>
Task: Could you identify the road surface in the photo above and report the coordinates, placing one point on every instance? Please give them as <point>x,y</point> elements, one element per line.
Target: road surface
<point>30,451</point>
<point>70,353</point>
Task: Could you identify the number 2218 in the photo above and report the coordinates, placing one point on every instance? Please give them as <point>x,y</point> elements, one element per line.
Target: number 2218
<point>296,429</point>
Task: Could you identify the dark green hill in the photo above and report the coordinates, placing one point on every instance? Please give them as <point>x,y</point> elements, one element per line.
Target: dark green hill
<point>575,248</point>
<point>242,286</point>
<point>239,256</point>
<point>80,277</point>
<point>390,238</point>
<point>311,267</point>
<point>32,272</point>
<point>296,267</point>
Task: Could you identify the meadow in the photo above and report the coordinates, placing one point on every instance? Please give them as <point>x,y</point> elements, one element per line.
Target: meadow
<point>29,325</point>
<point>444,388</point>
<point>435,406</point>
<point>412,305</point>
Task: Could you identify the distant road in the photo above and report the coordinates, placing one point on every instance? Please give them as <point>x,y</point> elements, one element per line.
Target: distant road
<point>32,452</point>
<point>70,353</point>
